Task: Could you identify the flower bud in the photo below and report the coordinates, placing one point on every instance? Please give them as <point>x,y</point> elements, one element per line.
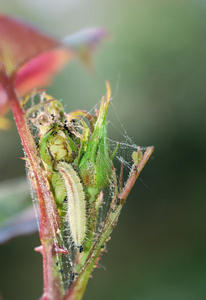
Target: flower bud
<point>55,147</point>
<point>95,167</point>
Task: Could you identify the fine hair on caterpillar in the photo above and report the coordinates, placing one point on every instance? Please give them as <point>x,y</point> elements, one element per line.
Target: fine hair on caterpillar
<point>76,205</point>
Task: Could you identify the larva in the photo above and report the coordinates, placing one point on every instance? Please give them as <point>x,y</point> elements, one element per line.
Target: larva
<point>76,212</point>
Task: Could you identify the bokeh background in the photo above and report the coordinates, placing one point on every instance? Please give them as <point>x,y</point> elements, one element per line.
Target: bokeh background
<point>155,61</point>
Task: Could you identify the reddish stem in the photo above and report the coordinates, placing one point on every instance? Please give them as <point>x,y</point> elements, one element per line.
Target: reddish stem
<point>136,170</point>
<point>49,218</point>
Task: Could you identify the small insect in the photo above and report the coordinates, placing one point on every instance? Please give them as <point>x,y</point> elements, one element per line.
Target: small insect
<point>65,200</point>
<point>81,249</point>
<point>118,201</point>
<point>71,280</point>
<point>67,128</point>
<point>76,211</point>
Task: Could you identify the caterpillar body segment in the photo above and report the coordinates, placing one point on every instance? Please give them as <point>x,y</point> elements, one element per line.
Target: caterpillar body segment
<point>76,212</point>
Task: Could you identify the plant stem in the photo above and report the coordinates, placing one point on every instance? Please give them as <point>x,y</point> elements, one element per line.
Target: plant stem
<point>49,218</point>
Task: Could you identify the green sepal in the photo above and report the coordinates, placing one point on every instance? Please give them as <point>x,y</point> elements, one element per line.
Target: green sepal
<point>58,187</point>
<point>73,146</point>
<point>95,167</point>
<point>43,148</point>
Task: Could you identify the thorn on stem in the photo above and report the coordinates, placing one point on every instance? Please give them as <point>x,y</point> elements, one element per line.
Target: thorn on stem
<point>39,249</point>
<point>59,250</point>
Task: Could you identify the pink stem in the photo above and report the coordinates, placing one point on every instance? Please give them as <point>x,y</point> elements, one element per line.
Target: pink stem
<point>136,170</point>
<point>49,223</point>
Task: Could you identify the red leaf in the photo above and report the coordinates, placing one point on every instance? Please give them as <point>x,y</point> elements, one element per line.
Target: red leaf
<point>19,43</point>
<point>32,57</point>
<point>38,71</point>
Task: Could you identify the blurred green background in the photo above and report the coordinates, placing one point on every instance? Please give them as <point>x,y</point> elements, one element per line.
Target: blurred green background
<point>155,61</point>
